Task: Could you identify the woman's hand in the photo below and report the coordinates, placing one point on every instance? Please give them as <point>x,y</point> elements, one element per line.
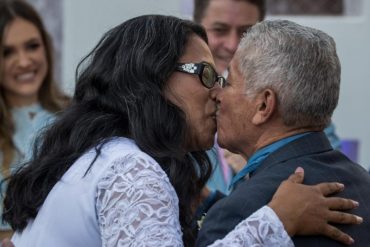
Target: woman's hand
<point>305,210</point>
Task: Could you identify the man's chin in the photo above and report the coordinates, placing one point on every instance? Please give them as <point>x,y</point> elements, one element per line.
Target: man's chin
<point>221,142</point>
<point>222,65</point>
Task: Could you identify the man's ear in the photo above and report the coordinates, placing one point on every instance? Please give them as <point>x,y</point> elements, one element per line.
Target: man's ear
<point>266,105</point>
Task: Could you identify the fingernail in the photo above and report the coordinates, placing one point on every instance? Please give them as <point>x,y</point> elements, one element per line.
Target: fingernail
<point>355,203</point>
<point>299,170</point>
<point>351,241</point>
<point>340,186</point>
<point>359,219</point>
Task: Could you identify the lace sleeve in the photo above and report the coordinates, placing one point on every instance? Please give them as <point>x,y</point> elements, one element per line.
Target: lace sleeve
<point>137,205</point>
<point>263,228</point>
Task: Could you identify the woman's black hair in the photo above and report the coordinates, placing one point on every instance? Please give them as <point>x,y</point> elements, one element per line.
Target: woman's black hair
<point>119,92</point>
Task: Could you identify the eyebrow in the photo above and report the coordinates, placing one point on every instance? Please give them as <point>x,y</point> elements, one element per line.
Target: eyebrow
<point>30,40</point>
<point>245,27</point>
<point>35,39</point>
<point>220,24</point>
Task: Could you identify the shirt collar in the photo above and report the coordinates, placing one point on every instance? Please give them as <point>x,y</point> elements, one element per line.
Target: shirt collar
<point>260,155</point>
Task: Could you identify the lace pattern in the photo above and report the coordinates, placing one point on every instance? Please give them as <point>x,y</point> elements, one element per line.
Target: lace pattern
<point>138,206</point>
<point>263,228</point>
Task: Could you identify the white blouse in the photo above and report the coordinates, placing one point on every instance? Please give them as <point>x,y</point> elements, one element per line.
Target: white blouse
<point>134,205</point>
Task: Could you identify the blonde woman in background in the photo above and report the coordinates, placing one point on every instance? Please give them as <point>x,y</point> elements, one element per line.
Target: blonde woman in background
<point>29,97</point>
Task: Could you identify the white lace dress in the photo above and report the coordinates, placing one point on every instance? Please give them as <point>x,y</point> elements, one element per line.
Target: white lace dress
<point>134,205</point>
<point>137,206</point>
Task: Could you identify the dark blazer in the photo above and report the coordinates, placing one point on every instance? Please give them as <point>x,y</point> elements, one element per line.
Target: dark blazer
<point>321,163</point>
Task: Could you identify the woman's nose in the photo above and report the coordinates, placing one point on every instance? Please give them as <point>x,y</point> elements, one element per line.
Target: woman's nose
<point>214,92</point>
<point>24,59</point>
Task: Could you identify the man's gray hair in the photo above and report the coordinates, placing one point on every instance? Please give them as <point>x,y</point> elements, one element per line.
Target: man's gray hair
<point>299,64</point>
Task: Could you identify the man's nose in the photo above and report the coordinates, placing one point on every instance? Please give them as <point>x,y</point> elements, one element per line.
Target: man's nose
<point>232,42</point>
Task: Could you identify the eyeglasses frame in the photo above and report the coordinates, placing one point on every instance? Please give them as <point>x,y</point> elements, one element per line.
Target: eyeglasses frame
<point>197,69</point>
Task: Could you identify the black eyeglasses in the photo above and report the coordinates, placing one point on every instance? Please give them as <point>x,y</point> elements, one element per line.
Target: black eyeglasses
<point>207,74</point>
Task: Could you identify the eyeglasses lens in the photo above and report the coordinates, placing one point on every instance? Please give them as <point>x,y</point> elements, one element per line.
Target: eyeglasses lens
<point>208,76</point>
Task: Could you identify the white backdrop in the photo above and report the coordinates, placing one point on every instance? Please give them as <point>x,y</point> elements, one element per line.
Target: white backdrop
<point>86,20</point>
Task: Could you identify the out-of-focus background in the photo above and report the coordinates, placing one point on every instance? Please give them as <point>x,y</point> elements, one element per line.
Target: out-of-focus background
<point>77,25</point>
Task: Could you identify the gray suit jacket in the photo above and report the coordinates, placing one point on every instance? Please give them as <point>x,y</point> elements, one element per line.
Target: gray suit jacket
<point>321,163</point>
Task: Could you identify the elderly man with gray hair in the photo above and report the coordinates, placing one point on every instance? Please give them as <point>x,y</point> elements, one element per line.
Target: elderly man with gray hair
<point>282,89</point>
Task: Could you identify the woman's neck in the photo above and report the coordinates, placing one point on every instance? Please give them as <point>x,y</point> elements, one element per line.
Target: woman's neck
<point>21,101</point>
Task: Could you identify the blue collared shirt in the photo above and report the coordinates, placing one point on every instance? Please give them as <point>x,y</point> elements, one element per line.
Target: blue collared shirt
<point>260,155</point>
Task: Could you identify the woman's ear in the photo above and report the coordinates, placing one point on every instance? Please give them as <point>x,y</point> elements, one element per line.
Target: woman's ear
<point>266,104</point>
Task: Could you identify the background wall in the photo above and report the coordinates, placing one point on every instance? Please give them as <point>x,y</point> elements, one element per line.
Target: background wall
<point>86,20</point>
